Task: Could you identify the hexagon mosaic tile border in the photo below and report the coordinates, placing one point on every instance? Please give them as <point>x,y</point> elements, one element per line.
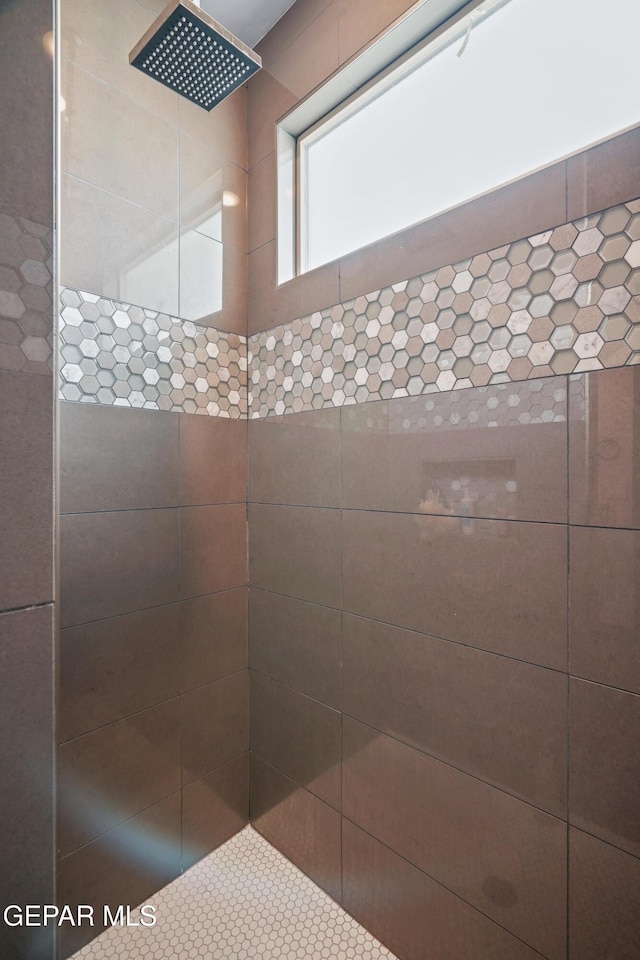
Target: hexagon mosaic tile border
<point>244,901</point>
<point>26,296</point>
<point>563,301</point>
<point>124,355</point>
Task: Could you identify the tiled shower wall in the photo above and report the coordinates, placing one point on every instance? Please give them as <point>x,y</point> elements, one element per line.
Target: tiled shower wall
<point>408,545</point>
<point>412,690</point>
<point>152,725</point>
<point>443,600</point>
<point>153,709</point>
<point>27,428</point>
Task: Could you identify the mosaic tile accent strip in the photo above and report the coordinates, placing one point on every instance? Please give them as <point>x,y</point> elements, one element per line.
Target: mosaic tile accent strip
<point>563,301</point>
<point>26,296</point>
<point>245,900</point>
<point>123,355</point>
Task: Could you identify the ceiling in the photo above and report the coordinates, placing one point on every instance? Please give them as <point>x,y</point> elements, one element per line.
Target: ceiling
<point>249,20</point>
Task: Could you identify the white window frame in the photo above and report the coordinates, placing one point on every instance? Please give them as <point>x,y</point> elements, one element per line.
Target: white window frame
<point>406,44</point>
<point>422,24</point>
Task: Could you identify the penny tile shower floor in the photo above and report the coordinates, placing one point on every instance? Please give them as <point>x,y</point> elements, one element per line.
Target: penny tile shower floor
<point>244,901</point>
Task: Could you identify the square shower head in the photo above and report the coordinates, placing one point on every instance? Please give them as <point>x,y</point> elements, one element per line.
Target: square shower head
<point>187,50</point>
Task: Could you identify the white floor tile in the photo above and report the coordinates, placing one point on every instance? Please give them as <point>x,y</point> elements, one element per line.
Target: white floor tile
<point>245,901</point>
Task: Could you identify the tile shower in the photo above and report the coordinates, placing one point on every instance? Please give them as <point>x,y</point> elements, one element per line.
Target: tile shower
<point>353,558</point>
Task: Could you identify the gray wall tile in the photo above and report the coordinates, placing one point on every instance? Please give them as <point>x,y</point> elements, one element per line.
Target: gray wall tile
<point>114,563</point>
<point>605,606</point>
<point>214,809</point>
<point>413,915</point>
<point>297,643</point>
<point>426,573</point>
<point>27,763</point>
<point>604,893</point>
<point>113,668</point>
<point>114,459</point>
<point>213,549</point>
<point>296,459</point>
<point>296,551</point>
<point>497,853</point>
<point>298,736</point>
<point>299,824</point>
<point>26,482</point>
<point>604,768</point>
<point>510,724</point>
<point>215,725</point>
<point>98,874</point>
<point>213,637</point>
<point>213,460</point>
<point>466,451</point>
<point>26,113</point>
<point>112,774</point>
<point>604,446</point>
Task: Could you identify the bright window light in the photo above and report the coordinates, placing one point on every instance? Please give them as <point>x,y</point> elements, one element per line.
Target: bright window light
<point>512,86</point>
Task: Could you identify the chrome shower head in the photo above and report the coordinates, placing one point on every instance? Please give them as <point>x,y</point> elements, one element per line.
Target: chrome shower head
<point>187,50</point>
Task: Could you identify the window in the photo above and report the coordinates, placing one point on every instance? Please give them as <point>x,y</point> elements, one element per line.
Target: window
<point>503,88</point>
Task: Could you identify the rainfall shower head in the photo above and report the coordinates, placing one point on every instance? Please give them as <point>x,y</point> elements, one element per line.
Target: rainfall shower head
<point>188,51</point>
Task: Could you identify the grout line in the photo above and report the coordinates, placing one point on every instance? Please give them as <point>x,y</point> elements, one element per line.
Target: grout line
<point>182,786</point>
<point>267,67</point>
<point>210,683</point>
<point>608,843</point>
<point>568,643</point>
<point>153,706</point>
<point>179,564</point>
<point>132,203</point>
<point>157,606</point>
<point>423,752</point>
<point>305,696</point>
<point>341,687</point>
<point>112,723</point>
<point>410,513</point>
<point>306,875</point>
<point>155,803</point>
<point>400,856</point>
<point>261,246</point>
<point>218,766</point>
<point>444,887</point>
<point>421,633</point>
<point>458,643</point>
<point>175,410</point>
<point>605,686</point>
<point>302,786</point>
<point>66,856</point>
<point>28,607</point>
<point>122,92</point>
<point>179,277</point>
<point>176,506</point>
